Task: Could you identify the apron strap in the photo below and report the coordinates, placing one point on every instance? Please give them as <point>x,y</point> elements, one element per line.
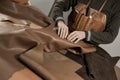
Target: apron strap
<point>89,2</point>
<point>103,5</point>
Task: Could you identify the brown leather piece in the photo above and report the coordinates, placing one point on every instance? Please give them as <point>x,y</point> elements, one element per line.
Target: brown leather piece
<point>24,12</point>
<point>15,40</point>
<point>52,42</point>
<point>55,66</point>
<point>38,17</point>
<point>64,69</point>
<point>34,42</point>
<point>24,74</point>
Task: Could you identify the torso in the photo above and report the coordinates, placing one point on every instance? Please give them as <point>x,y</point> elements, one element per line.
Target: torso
<point>96,4</point>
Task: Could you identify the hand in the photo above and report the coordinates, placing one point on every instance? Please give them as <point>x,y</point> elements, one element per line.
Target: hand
<point>76,36</point>
<point>62,29</point>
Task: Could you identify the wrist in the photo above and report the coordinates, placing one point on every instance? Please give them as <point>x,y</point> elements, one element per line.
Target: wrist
<point>60,22</point>
<point>84,34</point>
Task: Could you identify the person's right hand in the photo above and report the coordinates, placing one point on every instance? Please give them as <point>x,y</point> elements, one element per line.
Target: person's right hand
<point>62,29</point>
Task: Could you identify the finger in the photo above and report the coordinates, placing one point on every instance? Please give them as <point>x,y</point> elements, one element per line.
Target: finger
<point>77,40</point>
<point>63,33</point>
<point>71,36</point>
<point>74,39</point>
<point>66,34</point>
<point>59,30</point>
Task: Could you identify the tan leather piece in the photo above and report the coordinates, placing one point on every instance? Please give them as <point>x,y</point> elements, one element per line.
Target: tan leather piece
<point>24,74</point>
<point>62,68</point>
<point>55,66</point>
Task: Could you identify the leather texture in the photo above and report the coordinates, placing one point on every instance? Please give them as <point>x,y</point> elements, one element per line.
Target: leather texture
<point>40,50</point>
<point>25,74</point>
<point>33,43</point>
<point>84,18</point>
<point>32,14</point>
<point>16,39</point>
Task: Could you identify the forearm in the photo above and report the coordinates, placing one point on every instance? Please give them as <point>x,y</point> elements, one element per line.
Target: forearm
<point>59,7</point>
<point>107,36</point>
<point>102,37</point>
<point>112,27</point>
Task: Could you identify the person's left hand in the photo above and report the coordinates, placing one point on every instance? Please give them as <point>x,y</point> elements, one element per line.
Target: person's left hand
<point>76,36</point>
